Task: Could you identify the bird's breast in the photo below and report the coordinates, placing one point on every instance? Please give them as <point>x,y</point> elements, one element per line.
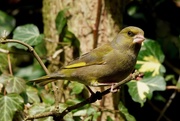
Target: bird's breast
<point>118,68</point>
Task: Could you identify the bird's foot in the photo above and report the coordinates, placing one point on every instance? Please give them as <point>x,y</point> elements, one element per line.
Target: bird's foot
<point>112,88</point>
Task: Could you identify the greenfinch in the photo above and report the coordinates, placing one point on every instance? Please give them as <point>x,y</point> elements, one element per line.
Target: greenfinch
<point>104,65</point>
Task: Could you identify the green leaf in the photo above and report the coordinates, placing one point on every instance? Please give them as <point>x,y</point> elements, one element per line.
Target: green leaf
<point>61,21</point>
<point>9,104</point>
<point>4,79</point>
<point>76,87</point>
<point>29,34</point>
<point>109,118</point>
<point>67,117</point>
<point>159,97</point>
<point>93,117</point>
<point>82,112</point>
<point>125,112</point>
<point>47,97</point>
<point>41,49</point>
<point>32,94</point>
<point>71,39</point>
<point>132,10</point>
<point>15,85</point>
<point>172,78</point>
<point>150,58</point>
<point>32,72</point>
<point>71,102</point>
<point>7,23</point>
<point>39,108</point>
<point>12,84</point>
<point>140,90</point>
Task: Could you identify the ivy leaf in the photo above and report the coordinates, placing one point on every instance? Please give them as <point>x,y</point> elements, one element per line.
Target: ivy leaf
<point>32,71</point>
<point>4,79</point>
<point>125,112</point>
<point>140,90</point>
<point>47,97</point>
<point>10,103</point>
<point>29,34</point>
<point>82,112</point>
<point>7,23</point>
<point>76,87</point>
<point>69,116</point>
<point>41,49</point>
<point>32,94</point>
<point>71,39</point>
<point>61,21</point>
<point>150,58</point>
<point>15,85</point>
<point>41,108</point>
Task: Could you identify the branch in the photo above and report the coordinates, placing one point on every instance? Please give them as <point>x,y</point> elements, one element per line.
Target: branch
<point>167,105</point>
<point>172,87</point>
<point>173,95</point>
<point>4,41</point>
<point>9,64</point>
<point>4,51</point>
<point>95,30</point>
<point>93,98</point>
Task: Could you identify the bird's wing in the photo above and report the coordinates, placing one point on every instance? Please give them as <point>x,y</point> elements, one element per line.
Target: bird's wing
<point>94,57</point>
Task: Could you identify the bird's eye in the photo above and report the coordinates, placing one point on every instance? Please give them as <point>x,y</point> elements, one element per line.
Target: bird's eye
<point>130,33</point>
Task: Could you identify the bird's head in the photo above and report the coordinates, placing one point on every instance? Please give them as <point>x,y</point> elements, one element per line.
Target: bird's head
<point>133,34</point>
<point>129,37</point>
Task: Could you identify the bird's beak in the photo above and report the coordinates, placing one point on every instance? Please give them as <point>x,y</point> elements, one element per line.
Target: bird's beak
<point>138,38</point>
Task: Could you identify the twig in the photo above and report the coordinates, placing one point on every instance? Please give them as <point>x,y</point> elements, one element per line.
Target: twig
<point>158,110</point>
<point>3,41</point>
<point>95,31</point>
<point>167,105</point>
<point>9,64</point>
<point>172,87</point>
<point>93,98</point>
<point>4,51</point>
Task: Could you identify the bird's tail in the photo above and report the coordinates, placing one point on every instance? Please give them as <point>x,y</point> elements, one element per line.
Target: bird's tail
<point>46,79</point>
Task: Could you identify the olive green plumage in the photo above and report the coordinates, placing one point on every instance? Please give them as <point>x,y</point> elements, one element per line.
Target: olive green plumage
<point>105,65</point>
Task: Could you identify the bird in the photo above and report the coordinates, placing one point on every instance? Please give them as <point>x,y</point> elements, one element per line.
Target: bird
<point>105,65</point>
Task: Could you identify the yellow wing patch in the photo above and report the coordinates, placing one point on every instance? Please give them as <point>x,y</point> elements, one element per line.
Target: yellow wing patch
<point>76,65</point>
<point>82,64</point>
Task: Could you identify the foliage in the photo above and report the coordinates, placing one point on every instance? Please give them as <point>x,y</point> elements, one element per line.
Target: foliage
<point>149,62</point>
<point>7,23</point>
<point>125,112</point>
<point>10,103</point>
<point>27,33</point>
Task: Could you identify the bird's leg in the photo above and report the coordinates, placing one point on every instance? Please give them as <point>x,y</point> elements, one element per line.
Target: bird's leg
<point>112,88</point>
<point>90,90</point>
<point>109,84</point>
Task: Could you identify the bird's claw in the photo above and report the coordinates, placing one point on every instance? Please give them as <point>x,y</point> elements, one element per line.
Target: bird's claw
<point>113,90</point>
